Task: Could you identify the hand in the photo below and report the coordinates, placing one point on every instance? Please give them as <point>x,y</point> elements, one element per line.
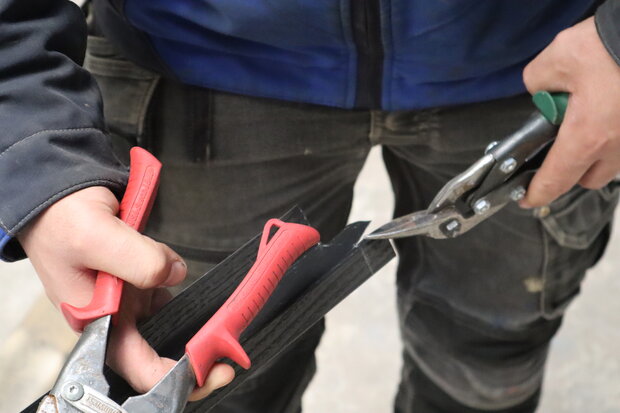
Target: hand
<point>587,148</point>
<point>79,235</point>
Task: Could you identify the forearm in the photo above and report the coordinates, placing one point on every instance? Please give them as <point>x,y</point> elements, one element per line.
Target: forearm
<point>52,141</point>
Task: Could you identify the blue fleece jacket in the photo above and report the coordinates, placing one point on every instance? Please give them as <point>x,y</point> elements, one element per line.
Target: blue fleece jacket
<point>390,54</point>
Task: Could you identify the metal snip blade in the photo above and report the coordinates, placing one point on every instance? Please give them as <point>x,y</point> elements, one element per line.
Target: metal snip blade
<point>169,394</point>
<point>416,223</point>
<point>462,183</point>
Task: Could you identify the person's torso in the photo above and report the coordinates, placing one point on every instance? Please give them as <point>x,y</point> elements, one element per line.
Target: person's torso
<point>389,54</point>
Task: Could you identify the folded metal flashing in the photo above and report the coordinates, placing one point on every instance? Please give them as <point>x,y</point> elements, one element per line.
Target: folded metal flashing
<point>316,283</point>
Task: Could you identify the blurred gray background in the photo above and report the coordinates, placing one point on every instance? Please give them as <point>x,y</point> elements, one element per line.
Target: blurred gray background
<point>359,355</point>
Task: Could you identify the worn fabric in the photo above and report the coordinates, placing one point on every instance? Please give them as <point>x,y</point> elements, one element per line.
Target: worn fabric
<point>477,312</point>
<point>607,18</point>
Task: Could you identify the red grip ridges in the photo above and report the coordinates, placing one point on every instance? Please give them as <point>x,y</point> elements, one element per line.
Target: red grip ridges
<point>134,210</point>
<point>219,337</point>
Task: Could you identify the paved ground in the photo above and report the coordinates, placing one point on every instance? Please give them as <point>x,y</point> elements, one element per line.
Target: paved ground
<point>359,356</point>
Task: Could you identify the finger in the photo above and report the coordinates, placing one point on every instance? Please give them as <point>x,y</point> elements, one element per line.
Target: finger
<point>600,174</point>
<point>220,375</point>
<point>81,232</point>
<point>567,161</point>
<point>145,303</point>
<point>133,359</point>
<point>544,73</point>
<point>129,255</point>
<point>554,178</point>
<point>136,361</point>
<point>161,297</point>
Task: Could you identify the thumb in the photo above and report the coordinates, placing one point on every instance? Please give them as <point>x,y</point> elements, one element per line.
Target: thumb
<point>545,72</point>
<point>119,250</point>
<point>105,243</point>
<point>81,232</point>
<point>131,356</point>
<point>134,359</point>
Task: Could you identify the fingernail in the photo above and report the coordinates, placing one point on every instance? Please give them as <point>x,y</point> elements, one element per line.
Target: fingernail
<point>524,204</point>
<point>542,212</point>
<point>177,273</point>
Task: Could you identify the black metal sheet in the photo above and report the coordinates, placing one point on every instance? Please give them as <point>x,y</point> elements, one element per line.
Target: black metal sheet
<point>319,280</point>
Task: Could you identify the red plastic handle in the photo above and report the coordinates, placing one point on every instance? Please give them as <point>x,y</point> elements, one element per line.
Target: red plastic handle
<point>219,337</point>
<point>134,211</point>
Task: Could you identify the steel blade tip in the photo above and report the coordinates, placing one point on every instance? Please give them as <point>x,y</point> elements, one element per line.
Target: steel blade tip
<point>378,234</point>
<point>396,229</point>
<point>416,223</point>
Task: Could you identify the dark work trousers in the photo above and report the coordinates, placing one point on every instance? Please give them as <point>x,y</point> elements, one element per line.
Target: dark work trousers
<point>476,312</point>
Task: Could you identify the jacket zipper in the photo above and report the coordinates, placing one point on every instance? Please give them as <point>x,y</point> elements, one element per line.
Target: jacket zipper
<point>366,19</point>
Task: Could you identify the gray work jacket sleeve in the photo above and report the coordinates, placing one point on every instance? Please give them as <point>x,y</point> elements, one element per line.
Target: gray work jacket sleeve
<point>607,19</point>
<point>51,124</point>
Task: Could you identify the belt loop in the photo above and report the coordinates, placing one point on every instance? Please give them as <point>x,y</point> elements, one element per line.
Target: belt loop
<point>376,126</point>
<point>201,124</point>
<point>143,136</point>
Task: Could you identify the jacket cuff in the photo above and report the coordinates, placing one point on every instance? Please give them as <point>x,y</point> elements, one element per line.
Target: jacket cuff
<point>42,168</point>
<point>4,240</point>
<point>10,249</point>
<point>607,18</point>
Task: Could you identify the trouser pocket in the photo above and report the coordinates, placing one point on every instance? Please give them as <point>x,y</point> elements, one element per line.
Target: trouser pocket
<point>577,229</point>
<point>126,89</point>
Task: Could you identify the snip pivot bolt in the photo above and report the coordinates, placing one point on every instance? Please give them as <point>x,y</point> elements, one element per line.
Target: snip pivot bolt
<point>508,165</point>
<point>452,228</point>
<point>73,392</point>
<point>481,206</point>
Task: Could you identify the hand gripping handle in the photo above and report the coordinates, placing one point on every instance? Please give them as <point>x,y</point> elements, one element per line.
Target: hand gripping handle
<point>219,337</point>
<point>134,211</point>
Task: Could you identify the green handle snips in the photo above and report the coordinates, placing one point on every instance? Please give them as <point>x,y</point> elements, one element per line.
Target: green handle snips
<point>552,105</point>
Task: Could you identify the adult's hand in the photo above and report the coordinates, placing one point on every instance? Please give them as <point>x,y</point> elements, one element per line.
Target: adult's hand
<point>79,235</point>
<point>587,148</point>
